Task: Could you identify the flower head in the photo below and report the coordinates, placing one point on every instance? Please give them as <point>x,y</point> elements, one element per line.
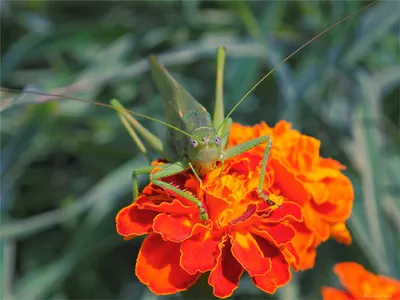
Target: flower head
<point>315,183</point>
<point>243,232</point>
<point>361,284</point>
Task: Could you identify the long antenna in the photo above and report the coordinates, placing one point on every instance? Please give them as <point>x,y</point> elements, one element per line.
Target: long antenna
<point>57,96</point>
<point>288,57</point>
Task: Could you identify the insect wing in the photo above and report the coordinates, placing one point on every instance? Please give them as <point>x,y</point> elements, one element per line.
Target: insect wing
<point>177,98</point>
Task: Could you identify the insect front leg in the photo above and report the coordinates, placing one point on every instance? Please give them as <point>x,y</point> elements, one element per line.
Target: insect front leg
<point>135,173</point>
<point>238,149</point>
<point>172,169</point>
<point>260,190</point>
<point>195,173</point>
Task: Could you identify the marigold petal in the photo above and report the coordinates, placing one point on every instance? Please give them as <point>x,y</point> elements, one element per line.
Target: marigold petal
<point>315,222</point>
<point>157,266</point>
<point>200,251</point>
<point>240,165</point>
<point>307,260</point>
<point>289,210</point>
<point>303,242</point>
<point>318,191</point>
<point>310,144</point>
<point>322,173</point>
<point>349,274</point>
<point>281,127</point>
<point>341,234</point>
<point>278,275</point>
<point>192,184</point>
<point>329,293</point>
<point>278,234</point>
<point>132,221</point>
<point>225,277</point>
<point>290,187</point>
<point>218,206</point>
<point>331,163</point>
<point>291,256</point>
<point>176,206</point>
<point>338,206</point>
<point>248,253</point>
<point>361,283</point>
<point>251,209</point>
<point>173,228</point>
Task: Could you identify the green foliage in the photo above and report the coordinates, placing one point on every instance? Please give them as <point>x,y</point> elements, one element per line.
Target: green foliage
<point>65,166</point>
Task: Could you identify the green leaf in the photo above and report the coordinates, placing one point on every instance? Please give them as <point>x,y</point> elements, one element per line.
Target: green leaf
<point>368,146</point>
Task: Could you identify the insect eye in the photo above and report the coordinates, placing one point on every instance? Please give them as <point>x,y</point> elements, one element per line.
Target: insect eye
<point>193,142</point>
<point>217,140</point>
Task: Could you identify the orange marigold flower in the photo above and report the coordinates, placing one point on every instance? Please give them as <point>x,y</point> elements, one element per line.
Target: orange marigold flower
<point>361,284</point>
<point>243,232</point>
<point>317,184</point>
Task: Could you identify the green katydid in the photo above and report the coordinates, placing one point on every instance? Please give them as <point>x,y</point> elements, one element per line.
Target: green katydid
<point>195,140</point>
<point>200,141</point>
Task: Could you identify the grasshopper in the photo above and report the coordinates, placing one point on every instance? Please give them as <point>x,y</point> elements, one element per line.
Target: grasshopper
<point>195,141</point>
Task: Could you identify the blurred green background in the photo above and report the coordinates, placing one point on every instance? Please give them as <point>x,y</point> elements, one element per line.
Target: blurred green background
<point>66,166</point>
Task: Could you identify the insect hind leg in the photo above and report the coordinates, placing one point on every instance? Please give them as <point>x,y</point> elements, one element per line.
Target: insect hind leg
<point>132,125</point>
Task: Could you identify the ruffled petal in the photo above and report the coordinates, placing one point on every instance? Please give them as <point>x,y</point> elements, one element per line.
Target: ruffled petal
<point>278,275</point>
<point>341,234</point>
<point>159,204</point>
<point>361,283</point>
<point>290,187</point>
<point>291,256</point>
<point>329,293</point>
<point>173,228</point>
<point>200,251</point>
<point>132,221</point>
<point>225,277</point>
<point>157,266</point>
<point>303,242</point>
<point>246,216</point>
<point>316,223</point>
<point>350,275</point>
<point>278,234</point>
<point>289,210</point>
<point>248,253</point>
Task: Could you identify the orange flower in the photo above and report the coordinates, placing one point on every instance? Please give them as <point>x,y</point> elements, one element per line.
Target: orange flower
<point>324,193</point>
<point>361,284</point>
<point>243,232</point>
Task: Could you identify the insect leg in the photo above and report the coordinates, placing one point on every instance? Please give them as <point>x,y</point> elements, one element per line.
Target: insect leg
<point>243,147</point>
<point>172,169</point>
<point>154,142</point>
<point>134,136</point>
<point>218,115</point>
<point>260,190</point>
<point>238,149</point>
<point>195,173</point>
<point>135,173</point>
